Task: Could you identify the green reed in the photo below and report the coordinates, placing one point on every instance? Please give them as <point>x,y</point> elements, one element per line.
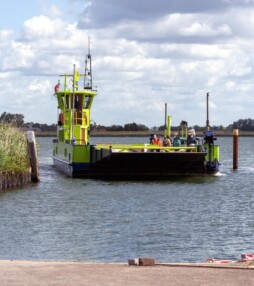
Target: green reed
<point>13,149</point>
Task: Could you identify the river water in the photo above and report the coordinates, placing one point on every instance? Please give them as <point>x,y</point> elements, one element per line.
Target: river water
<point>179,220</point>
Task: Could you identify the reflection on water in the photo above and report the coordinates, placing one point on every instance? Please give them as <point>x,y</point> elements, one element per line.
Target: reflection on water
<point>182,219</point>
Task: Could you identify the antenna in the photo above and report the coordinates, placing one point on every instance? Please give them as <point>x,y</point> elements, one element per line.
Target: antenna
<point>207,111</point>
<point>88,82</point>
<point>89,45</point>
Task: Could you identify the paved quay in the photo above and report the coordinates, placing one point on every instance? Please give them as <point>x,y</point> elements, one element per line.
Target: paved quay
<point>38,273</point>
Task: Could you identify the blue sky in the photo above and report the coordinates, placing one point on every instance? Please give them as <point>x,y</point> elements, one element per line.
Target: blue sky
<point>145,53</point>
<point>14,13</point>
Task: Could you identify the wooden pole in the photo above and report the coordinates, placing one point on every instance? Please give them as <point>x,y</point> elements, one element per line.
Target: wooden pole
<point>235,149</point>
<point>165,126</point>
<point>33,156</point>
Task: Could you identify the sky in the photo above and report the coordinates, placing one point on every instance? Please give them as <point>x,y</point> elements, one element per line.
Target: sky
<point>145,53</point>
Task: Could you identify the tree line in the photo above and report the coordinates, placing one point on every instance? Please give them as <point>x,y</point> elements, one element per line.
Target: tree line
<point>18,120</point>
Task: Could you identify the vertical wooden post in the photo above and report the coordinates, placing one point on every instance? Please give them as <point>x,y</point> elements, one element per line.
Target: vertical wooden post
<point>33,156</point>
<point>235,149</point>
<point>165,126</point>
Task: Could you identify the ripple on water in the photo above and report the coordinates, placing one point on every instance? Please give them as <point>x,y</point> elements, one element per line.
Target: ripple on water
<point>179,220</point>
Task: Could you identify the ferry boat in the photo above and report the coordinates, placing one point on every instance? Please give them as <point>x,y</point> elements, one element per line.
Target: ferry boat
<point>75,156</point>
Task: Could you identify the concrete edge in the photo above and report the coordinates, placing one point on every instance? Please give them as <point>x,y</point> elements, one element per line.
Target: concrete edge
<point>210,265</point>
<point>245,266</point>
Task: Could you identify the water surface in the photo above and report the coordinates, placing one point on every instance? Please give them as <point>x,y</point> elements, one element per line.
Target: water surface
<point>178,220</point>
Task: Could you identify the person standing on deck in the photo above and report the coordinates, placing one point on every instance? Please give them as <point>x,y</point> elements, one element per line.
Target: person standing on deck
<point>158,141</point>
<point>191,139</point>
<point>153,139</point>
<point>176,140</point>
<point>167,141</point>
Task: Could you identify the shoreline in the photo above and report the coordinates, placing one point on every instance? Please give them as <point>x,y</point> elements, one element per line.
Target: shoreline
<point>144,133</point>
<point>229,265</point>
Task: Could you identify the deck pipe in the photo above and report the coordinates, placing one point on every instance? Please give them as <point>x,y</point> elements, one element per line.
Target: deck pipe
<point>167,127</point>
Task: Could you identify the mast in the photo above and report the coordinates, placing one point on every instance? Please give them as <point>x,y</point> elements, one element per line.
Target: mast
<point>88,79</point>
<point>207,111</point>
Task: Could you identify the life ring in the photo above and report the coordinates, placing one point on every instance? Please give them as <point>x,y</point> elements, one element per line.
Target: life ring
<point>57,87</point>
<point>86,119</point>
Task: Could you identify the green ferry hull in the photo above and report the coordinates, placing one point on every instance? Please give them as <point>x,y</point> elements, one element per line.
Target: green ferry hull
<point>149,165</point>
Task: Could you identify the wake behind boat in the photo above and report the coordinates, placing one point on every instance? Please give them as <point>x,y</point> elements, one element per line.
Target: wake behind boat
<point>75,156</point>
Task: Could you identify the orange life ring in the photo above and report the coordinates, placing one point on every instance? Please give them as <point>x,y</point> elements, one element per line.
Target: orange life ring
<point>61,119</point>
<point>86,119</point>
<point>57,87</point>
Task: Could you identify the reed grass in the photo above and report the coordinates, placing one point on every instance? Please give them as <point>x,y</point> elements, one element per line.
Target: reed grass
<point>13,150</point>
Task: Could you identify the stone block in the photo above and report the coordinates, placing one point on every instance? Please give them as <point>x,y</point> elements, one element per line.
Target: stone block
<point>146,261</point>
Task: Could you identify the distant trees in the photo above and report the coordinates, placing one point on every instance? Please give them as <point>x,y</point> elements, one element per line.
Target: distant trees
<point>128,127</point>
<point>18,121</point>
<point>115,128</point>
<point>244,124</point>
<point>135,127</point>
<point>14,119</point>
<point>40,126</point>
<point>162,127</point>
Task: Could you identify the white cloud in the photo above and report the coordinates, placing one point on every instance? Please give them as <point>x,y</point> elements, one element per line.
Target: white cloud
<point>18,56</point>
<point>5,34</point>
<point>55,12</point>
<point>172,53</point>
<point>205,30</point>
<point>41,27</point>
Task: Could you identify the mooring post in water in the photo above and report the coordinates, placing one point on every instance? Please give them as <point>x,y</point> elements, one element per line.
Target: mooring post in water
<point>235,149</point>
<point>33,156</point>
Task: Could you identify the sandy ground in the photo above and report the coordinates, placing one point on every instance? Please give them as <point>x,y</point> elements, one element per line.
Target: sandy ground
<point>38,273</point>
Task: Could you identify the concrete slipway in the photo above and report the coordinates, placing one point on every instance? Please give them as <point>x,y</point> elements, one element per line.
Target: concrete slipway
<point>38,273</point>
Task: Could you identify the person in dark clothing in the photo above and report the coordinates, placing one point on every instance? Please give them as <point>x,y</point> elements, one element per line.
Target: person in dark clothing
<point>191,139</point>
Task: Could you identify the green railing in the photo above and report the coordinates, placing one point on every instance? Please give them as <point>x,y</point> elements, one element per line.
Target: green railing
<point>143,148</point>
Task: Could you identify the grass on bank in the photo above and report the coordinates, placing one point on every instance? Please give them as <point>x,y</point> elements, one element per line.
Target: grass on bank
<point>13,149</point>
